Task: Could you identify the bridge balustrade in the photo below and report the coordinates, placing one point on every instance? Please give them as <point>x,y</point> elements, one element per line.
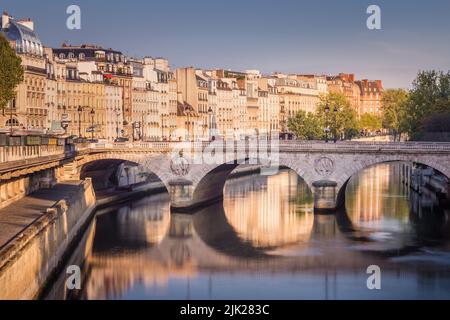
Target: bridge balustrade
<point>364,146</point>
<point>17,153</point>
<point>287,146</point>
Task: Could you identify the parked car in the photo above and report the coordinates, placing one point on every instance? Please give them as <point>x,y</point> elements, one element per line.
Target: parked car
<point>119,140</point>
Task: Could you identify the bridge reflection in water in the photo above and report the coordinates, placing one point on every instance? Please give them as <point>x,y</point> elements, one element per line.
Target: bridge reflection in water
<point>264,241</point>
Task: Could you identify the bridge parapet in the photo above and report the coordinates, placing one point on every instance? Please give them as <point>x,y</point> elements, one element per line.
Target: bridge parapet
<point>282,146</point>
<point>17,153</point>
<point>357,146</point>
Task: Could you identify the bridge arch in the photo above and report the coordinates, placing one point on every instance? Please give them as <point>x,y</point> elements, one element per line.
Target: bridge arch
<point>435,162</point>
<point>150,163</point>
<point>211,179</point>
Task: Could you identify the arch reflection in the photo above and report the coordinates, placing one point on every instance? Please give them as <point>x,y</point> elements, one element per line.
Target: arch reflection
<point>270,211</point>
<point>134,226</point>
<point>380,207</point>
<point>377,199</point>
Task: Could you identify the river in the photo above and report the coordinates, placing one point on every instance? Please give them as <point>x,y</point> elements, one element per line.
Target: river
<point>264,242</point>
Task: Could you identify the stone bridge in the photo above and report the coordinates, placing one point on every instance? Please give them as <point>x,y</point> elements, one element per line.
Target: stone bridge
<point>195,173</point>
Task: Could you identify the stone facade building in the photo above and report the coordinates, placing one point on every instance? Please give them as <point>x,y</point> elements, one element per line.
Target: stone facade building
<point>371,96</point>
<point>90,91</point>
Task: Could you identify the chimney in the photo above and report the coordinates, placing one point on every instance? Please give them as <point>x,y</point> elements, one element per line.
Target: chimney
<point>5,19</point>
<point>379,84</point>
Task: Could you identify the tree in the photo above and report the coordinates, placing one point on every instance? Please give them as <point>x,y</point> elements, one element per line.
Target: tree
<point>393,107</point>
<point>306,126</point>
<point>11,72</point>
<point>370,122</point>
<point>438,122</point>
<point>341,118</point>
<point>430,95</point>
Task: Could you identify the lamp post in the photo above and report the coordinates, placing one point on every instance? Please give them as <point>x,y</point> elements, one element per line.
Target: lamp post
<point>142,126</point>
<point>79,110</point>
<point>162,127</point>
<point>117,122</point>
<point>134,125</point>
<point>165,131</point>
<point>327,126</point>
<point>210,113</point>
<point>335,123</point>
<point>188,125</point>
<point>11,118</point>
<point>92,123</point>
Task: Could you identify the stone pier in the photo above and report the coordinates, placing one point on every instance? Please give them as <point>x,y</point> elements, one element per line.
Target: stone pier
<point>325,196</point>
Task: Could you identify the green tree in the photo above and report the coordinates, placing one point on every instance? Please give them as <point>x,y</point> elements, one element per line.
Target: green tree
<point>430,95</point>
<point>306,126</point>
<point>11,72</point>
<point>341,118</point>
<point>370,122</point>
<point>393,111</point>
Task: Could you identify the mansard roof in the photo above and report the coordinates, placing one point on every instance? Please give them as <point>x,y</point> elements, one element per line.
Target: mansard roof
<point>27,41</point>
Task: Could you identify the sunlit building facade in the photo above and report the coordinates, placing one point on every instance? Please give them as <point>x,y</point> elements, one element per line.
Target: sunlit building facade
<point>27,111</point>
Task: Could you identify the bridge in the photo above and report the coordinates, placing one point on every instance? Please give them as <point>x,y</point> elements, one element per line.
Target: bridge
<point>194,173</point>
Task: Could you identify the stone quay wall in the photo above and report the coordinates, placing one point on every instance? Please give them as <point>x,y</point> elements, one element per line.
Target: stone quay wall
<point>32,258</point>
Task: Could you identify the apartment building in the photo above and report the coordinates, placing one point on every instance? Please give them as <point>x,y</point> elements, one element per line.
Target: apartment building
<point>371,96</point>
<point>345,84</point>
<point>27,111</point>
<point>112,65</point>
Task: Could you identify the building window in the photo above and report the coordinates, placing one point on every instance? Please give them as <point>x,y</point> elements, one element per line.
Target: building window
<point>81,56</point>
<point>62,56</point>
<point>12,123</point>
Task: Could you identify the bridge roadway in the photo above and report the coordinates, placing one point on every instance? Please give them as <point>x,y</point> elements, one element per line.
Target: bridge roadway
<point>195,173</point>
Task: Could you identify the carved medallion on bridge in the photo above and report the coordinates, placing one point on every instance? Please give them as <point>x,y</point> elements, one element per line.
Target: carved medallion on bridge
<point>180,165</point>
<point>324,166</point>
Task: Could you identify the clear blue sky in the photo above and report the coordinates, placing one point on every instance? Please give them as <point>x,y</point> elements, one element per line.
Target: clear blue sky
<point>280,35</point>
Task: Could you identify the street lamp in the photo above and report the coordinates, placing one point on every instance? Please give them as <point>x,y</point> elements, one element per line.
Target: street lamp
<point>117,122</point>
<point>142,126</point>
<point>327,127</point>
<point>11,121</point>
<point>187,112</point>
<point>335,123</point>
<point>80,110</point>
<point>210,113</point>
<point>92,122</point>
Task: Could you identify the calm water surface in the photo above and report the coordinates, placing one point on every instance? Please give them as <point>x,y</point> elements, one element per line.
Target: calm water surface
<point>265,242</point>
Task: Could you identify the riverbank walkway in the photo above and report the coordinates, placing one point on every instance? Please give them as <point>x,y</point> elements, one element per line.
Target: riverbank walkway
<point>15,218</point>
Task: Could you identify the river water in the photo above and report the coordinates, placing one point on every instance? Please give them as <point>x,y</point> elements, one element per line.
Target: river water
<point>264,242</point>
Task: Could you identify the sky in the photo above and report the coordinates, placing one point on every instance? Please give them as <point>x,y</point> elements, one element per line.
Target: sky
<point>291,36</point>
